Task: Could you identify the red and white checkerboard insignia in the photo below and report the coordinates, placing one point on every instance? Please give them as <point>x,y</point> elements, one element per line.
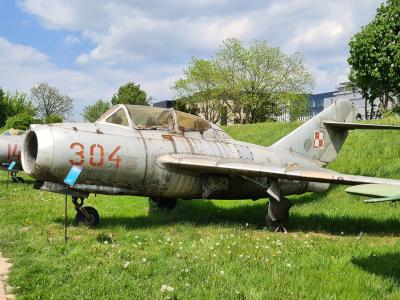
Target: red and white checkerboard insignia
<point>319,139</point>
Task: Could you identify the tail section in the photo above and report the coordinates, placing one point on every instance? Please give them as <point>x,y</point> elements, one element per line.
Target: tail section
<point>317,139</point>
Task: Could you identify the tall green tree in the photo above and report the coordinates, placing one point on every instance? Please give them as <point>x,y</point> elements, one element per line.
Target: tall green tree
<point>49,102</point>
<point>375,58</point>
<point>252,83</point>
<point>130,93</point>
<point>12,104</point>
<point>92,112</point>
<point>198,91</point>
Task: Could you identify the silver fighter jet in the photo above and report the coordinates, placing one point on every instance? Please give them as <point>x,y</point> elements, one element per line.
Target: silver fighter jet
<point>167,154</point>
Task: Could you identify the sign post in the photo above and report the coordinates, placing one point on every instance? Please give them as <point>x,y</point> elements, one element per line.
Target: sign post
<point>10,169</point>
<point>69,181</point>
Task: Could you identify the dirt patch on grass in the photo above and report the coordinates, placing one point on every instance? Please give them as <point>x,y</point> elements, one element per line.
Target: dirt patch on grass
<point>4,289</point>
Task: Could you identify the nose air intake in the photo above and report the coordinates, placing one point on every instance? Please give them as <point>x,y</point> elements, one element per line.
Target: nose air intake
<point>37,152</point>
<point>30,152</point>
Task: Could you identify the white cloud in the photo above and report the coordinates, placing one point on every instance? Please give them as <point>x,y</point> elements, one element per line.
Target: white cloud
<point>71,40</point>
<point>22,67</point>
<point>150,41</point>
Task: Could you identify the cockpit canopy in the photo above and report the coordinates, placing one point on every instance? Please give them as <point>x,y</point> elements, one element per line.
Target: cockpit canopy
<point>13,132</point>
<point>148,117</point>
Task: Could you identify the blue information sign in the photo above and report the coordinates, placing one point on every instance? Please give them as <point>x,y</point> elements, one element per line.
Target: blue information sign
<point>11,166</point>
<point>73,175</point>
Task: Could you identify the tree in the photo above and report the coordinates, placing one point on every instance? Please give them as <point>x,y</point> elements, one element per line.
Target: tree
<point>50,102</point>
<point>130,93</point>
<point>92,112</point>
<point>375,58</point>
<point>22,121</point>
<point>198,91</point>
<point>12,104</point>
<point>53,119</point>
<point>253,83</point>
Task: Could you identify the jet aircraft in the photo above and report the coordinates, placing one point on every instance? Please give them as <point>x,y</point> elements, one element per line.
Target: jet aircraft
<point>10,151</point>
<point>166,154</point>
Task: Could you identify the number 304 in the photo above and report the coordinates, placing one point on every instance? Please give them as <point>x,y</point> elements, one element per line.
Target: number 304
<point>96,155</point>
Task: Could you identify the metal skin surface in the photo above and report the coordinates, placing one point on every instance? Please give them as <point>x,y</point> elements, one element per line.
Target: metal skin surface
<point>189,164</point>
<point>10,150</point>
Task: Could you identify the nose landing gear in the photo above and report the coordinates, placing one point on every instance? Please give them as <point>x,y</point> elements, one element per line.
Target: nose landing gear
<point>85,215</point>
<point>15,178</point>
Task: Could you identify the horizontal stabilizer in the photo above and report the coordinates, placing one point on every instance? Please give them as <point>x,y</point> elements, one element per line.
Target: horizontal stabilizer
<point>349,126</point>
<point>214,165</point>
<point>384,192</point>
<point>375,190</point>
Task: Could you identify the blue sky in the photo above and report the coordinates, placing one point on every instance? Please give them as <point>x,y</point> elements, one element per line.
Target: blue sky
<point>87,49</point>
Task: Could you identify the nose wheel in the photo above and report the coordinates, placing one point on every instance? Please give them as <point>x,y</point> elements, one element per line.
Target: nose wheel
<point>87,216</point>
<point>16,179</point>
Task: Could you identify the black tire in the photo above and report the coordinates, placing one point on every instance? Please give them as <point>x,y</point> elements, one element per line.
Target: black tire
<point>81,219</point>
<point>277,226</point>
<point>20,179</point>
<point>165,203</point>
<point>14,179</point>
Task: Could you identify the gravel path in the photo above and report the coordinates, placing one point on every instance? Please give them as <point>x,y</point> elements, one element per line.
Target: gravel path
<point>4,289</point>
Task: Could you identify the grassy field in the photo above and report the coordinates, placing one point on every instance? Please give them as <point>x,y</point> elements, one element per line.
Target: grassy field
<point>337,246</point>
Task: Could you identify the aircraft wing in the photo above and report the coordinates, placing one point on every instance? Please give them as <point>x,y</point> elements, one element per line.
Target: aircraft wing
<point>383,192</point>
<point>214,165</point>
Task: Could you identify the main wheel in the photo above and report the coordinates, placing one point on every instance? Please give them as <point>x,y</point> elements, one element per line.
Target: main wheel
<point>279,225</point>
<point>93,221</point>
<point>165,203</point>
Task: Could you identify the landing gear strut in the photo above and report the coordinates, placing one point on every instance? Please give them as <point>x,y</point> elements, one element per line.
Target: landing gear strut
<point>85,215</point>
<point>278,209</point>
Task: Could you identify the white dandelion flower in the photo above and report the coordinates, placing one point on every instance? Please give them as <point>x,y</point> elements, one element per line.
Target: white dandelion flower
<point>163,288</point>
<point>170,289</point>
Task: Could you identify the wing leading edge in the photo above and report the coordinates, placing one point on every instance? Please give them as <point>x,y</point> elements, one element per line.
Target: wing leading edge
<point>213,165</point>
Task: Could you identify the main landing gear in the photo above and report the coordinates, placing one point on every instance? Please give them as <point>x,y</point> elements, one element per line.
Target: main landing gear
<point>164,203</point>
<point>278,214</point>
<point>278,209</point>
<point>85,215</point>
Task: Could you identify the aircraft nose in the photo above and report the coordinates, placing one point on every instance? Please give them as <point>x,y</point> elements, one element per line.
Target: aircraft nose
<point>37,151</point>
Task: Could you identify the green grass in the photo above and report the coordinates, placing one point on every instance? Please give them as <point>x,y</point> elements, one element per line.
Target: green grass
<point>337,247</point>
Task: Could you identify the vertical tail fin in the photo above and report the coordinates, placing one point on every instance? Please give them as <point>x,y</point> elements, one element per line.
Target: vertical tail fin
<point>316,140</point>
